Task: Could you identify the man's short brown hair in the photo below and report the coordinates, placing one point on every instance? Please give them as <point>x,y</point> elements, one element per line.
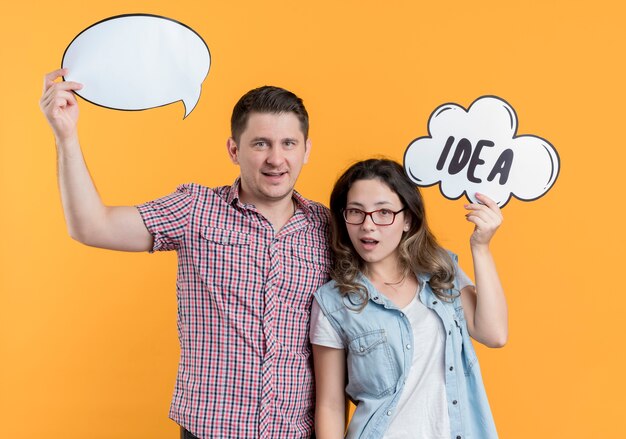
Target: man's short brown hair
<point>267,99</point>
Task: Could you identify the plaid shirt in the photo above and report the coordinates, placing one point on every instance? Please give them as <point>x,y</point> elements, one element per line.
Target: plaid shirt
<point>244,293</point>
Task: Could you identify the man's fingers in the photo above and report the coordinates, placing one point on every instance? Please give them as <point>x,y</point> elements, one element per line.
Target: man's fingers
<point>67,85</point>
<point>61,89</point>
<point>49,78</point>
<point>60,99</point>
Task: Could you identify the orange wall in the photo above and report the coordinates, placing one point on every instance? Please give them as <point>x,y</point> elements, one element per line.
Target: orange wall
<point>88,344</point>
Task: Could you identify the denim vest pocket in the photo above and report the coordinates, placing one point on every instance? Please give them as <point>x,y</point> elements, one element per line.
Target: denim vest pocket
<point>371,370</point>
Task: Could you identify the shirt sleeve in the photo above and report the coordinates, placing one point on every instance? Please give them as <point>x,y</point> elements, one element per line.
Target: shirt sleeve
<point>462,278</point>
<point>166,218</point>
<point>322,332</point>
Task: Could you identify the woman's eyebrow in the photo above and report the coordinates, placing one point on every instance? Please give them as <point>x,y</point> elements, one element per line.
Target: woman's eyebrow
<point>378,203</point>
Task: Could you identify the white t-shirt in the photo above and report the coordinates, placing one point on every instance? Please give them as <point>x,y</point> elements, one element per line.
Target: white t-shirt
<point>422,410</point>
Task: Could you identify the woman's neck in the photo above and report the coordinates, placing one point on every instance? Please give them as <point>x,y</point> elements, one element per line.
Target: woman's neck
<point>385,272</point>
<point>391,280</point>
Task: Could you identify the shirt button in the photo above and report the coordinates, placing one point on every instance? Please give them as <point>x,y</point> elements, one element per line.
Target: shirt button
<point>375,297</point>
<point>458,437</point>
<point>455,402</point>
<point>435,302</point>
<point>361,349</point>
<point>451,368</point>
<point>388,412</point>
<point>408,347</point>
<point>401,314</point>
<point>449,332</point>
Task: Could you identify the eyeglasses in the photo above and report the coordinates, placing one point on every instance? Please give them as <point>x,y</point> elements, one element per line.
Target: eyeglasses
<point>380,217</point>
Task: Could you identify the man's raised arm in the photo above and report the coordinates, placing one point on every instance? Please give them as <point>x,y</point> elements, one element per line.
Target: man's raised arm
<point>88,220</point>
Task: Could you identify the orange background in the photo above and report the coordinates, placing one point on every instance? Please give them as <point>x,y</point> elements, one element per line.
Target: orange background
<point>88,344</point>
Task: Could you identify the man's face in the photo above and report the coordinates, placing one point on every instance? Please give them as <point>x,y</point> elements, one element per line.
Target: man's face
<point>270,154</point>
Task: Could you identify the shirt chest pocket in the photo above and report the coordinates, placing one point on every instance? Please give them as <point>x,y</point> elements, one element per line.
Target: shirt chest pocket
<point>306,269</point>
<point>314,256</point>
<point>371,369</point>
<point>223,259</point>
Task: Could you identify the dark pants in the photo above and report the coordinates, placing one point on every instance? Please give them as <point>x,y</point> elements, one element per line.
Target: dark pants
<point>184,434</point>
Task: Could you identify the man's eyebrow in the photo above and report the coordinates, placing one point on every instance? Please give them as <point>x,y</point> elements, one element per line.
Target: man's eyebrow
<point>260,139</point>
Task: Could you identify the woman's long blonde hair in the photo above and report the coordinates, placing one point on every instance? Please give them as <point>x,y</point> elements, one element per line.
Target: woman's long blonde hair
<point>418,248</point>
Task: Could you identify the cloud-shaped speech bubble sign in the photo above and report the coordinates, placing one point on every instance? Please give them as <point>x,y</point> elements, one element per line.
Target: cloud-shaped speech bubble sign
<point>477,150</point>
<point>137,62</point>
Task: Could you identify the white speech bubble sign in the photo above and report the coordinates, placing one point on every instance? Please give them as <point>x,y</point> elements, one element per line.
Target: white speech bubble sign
<point>138,61</point>
<point>477,150</point>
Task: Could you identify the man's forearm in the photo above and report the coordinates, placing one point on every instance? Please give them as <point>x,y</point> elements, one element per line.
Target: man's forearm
<point>82,205</point>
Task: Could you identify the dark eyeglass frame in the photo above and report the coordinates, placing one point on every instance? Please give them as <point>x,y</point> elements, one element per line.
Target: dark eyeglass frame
<point>370,214</point>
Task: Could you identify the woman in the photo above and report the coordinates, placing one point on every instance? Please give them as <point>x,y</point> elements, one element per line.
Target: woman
<point>392,328</point>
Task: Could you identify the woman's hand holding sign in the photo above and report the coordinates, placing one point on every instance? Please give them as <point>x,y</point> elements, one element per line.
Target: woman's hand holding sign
<point>486,217</point>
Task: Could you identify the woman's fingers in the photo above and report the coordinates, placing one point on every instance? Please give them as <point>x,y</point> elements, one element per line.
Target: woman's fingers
<point>487,217</point>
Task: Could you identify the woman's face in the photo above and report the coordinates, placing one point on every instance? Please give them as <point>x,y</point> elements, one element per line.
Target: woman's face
<point>376,243</point>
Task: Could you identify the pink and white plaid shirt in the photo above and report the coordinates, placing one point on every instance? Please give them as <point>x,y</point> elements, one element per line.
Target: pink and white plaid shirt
<point>244,294</point>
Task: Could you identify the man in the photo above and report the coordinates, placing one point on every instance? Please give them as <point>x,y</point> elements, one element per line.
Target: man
<point>250,257</point>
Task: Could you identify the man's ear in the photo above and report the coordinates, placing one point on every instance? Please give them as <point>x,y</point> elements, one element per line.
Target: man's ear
<point>307,149</point>
<point>233,150</point>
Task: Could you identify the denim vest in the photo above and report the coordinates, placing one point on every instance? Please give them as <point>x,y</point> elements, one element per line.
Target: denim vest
<point>379,353</point>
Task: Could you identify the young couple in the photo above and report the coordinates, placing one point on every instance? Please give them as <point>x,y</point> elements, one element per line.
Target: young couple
<point>391,330</point>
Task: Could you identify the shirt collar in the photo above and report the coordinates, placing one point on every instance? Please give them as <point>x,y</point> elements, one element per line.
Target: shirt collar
<point>302,203</point>
<point>233,193</point>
